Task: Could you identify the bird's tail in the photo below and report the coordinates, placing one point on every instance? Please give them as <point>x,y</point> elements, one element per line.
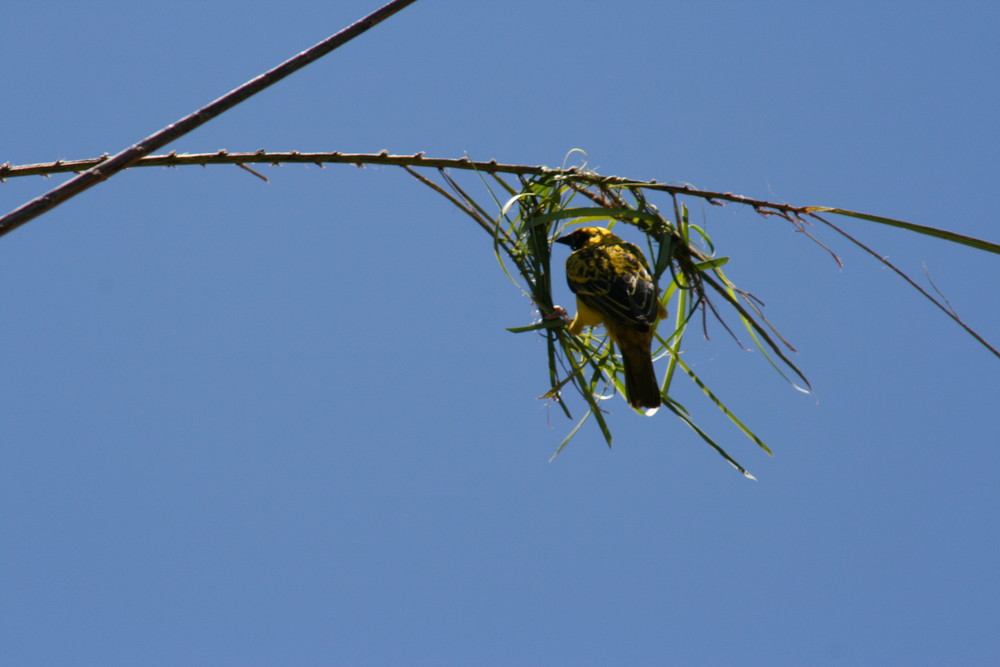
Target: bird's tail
<point>641,387</point>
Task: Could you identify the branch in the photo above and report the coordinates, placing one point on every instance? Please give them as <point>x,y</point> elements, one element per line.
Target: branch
<point>788,211</point>
<point>110,166</point>
<point>174,159</point>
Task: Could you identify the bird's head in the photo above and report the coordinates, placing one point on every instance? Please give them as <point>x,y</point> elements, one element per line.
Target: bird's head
<point>588,237</point>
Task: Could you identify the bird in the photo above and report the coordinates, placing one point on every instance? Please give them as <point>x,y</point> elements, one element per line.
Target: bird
<point>614,287</point>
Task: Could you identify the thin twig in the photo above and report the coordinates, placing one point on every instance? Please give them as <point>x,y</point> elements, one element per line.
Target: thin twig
<point>106,168</point>
<point>255,173</point>
<point>912,283</point>
<point>944,299</point>
<point>756,326</point>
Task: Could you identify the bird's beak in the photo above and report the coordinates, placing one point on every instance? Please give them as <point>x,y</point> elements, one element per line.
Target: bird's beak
<point>564,239</point>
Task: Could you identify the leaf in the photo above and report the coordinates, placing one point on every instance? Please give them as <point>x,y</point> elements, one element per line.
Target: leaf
<point>954,237</point>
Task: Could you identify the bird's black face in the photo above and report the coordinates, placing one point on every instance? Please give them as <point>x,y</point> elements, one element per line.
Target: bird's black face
<point>576,240</point>
<point>588,236</point>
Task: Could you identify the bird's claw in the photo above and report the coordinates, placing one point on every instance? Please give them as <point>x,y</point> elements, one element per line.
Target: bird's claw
<point>558,313</point>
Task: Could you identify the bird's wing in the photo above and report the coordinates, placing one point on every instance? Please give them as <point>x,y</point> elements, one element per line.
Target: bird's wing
<point>615,281</point>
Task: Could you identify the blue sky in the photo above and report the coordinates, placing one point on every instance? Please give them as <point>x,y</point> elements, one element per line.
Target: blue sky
<point>283,423</point>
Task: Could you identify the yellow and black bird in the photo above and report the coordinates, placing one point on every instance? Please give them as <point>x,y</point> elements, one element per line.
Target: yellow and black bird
<point>614,287</point>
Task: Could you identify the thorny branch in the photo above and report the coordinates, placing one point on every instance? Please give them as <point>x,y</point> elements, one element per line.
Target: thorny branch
<point>174,159</point>
<point>790,212</point>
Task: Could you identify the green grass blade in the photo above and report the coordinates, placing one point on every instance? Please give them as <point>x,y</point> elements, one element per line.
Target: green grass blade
<point>538,326</point>
<point>712,264</point>
<point>569,436</point>
<point>962,239</point>
<point>678,410</point>
<point>594,213</point>
<point>719,404</point>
